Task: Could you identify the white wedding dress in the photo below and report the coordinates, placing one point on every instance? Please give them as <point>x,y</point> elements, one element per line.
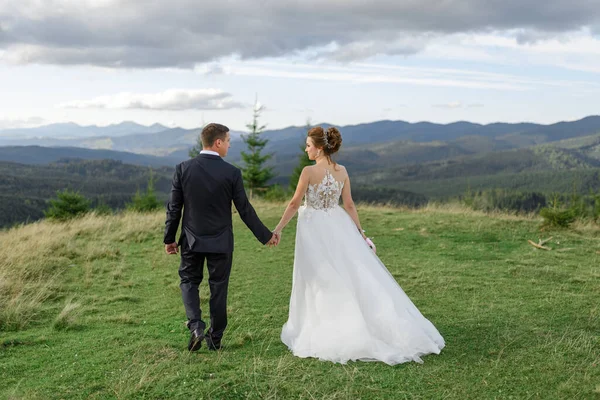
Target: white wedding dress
<point>345,305</point>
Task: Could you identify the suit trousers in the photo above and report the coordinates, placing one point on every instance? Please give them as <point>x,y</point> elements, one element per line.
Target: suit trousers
<point>191,271</point>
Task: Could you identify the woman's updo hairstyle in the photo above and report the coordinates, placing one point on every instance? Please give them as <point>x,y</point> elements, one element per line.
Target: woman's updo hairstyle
<point>330,139</point>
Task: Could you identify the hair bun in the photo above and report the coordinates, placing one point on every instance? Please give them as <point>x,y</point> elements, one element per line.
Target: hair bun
<point>334,140</point>
<point>330,139</point>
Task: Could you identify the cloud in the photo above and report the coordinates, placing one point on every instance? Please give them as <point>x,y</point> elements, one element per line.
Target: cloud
<point>574,50</point>
<point>369,73</point>
<point>14,123</point>
<point>213,69</point>
<point>450,106</point>
<point>173,99</point>
<point>182,33</point>
<point>526,37</point>
<point>360,50</point>
<point>457,104</point>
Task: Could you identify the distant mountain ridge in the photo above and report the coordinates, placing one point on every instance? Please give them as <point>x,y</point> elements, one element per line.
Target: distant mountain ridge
<point>368,146</point>
<point>38,155</point>
<point>73,130</point>
<point>366,133</point>
<point>392,131</point>
<point>156,139</point>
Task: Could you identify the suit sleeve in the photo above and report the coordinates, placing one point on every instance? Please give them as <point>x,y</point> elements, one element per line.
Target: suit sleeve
<point>174,207</point>
<point>246,211</point>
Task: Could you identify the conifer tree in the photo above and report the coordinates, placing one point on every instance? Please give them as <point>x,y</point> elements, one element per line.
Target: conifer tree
<point>303,161</point>
<point>255,173</point>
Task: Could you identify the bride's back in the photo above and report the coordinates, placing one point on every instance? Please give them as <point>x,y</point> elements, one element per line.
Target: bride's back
<point>318,173</point>
<point>325,186</point>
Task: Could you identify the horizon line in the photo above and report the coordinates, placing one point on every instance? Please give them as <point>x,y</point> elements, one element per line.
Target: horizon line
<point>301,126</point>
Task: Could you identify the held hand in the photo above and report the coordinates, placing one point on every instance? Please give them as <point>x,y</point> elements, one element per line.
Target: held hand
<point>274,239</point>
<point>277,235</point>
<point>171,248</point>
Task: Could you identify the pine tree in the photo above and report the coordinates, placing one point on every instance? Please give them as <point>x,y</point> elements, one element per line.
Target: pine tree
<point>67,205</point>
<point>145,202</point>
<point>195,151</point>
<point>255,173</point>
<point>303,161</point>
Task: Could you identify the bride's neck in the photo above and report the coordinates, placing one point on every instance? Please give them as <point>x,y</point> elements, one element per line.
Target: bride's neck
<point>322,161</point>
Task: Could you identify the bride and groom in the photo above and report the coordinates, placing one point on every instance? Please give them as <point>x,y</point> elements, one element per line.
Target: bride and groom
<point>344,305</point>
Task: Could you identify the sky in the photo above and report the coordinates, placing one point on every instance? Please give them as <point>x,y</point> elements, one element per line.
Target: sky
<point>188,62</point>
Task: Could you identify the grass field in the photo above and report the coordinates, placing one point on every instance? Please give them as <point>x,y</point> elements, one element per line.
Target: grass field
<point>92,309</point>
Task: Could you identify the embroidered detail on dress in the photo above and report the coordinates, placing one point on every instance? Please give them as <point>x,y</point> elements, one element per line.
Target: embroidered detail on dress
<point>325,195</point>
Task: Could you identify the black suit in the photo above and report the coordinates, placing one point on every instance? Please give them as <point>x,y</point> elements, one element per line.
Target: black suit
<point>204,187</point>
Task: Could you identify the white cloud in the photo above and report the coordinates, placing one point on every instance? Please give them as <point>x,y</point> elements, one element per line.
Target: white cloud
<point>365,73</point>
<point>452,105</point>
<point>578,50</point>
<point>172,99</point>
<point>354,74</point>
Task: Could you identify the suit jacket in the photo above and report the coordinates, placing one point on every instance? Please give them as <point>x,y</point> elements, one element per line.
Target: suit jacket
<point>204,187</point>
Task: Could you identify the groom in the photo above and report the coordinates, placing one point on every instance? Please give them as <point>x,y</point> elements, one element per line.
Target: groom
<point>204,187</point>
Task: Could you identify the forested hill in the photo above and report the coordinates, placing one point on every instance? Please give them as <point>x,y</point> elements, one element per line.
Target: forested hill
<point>25,189</point>
<point>46,155</point>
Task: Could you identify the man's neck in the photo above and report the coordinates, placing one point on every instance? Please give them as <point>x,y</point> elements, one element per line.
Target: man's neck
<point>210,151</point>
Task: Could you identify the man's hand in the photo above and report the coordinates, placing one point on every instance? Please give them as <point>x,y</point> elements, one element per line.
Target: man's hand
<point>274,239</point>
<point>171,248</point>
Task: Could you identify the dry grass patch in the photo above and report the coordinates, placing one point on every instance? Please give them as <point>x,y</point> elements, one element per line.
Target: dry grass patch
<point>67,318</point>
<point>143,370</point>
<point>33,256</point>
<point>586,227</point>
<point>20,302</point>
<point>461,209</point>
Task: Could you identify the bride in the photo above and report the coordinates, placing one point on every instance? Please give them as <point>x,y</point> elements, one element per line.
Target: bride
<point>344,305</point>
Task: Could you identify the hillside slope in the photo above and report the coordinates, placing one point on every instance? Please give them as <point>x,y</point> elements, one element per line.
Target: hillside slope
<point>92,309</point>
<point>26,189</point>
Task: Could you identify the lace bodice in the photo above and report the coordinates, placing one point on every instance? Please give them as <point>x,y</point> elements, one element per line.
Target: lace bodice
<point>324,195</point>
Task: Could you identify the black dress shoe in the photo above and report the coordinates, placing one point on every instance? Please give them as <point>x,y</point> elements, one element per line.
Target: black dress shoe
<point>196,340</point>
<point>213,344</point>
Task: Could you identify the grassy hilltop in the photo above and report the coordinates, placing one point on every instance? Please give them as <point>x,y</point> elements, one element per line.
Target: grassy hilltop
<point>92,309</point>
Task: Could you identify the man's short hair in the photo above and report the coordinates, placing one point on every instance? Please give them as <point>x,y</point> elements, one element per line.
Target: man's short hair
<point>212,132</point>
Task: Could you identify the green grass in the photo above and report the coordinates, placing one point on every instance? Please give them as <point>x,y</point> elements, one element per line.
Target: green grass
<point>518,322</point>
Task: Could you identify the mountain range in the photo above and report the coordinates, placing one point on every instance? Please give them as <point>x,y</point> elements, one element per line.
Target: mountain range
<point>390,161</point>
<point>156,140</point>
<point>382,153</point>
<point>380,144</point>
<point>71,130</point>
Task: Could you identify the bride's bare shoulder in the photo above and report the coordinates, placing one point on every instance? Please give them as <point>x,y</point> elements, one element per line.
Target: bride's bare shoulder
<point>309,170</point>
<point>342,169</point>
